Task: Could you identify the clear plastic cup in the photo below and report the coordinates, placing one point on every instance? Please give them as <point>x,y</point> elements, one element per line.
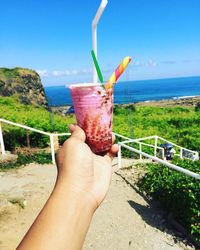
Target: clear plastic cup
<point>93,107</point>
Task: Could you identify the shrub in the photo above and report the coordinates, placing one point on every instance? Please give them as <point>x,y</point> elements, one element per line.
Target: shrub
<point>32,116</point>
<point>177,192</point>
<point>177,124</point>
<point>40,158</point>
<point>197,107</point>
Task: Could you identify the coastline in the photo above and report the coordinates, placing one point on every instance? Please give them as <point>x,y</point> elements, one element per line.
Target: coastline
<point>184,102</point>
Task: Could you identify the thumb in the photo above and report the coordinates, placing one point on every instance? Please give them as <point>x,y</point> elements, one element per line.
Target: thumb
<point>77,132</point>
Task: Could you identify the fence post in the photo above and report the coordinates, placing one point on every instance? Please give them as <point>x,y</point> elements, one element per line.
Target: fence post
<point>156,144</point>
<point>2,142</point>
<point>163,153</point>
<point>181,153</point>
<point>28,139</point>
<point>140,148</point>
<point>52,149</point>
<point>119,157</point>
<point>197,155</point>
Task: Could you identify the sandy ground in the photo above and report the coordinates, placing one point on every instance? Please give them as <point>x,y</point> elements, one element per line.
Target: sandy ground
<point>124,220</point>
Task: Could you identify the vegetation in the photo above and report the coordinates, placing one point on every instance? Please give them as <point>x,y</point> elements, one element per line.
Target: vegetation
<point>23,83</point>
<point>11,73</point>
<point>197,107</point>
<point>177,124</point>
<point>22,159</point>
<point>177,192</point>
<point>35,117</point>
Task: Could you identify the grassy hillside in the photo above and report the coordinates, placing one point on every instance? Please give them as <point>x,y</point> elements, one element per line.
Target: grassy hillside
<point>9,74</point>
<point>23,83</point>
<point>36,117</point>
<point>178,124</point>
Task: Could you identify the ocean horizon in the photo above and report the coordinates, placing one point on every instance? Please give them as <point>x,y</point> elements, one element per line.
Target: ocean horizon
<point>136,91</point>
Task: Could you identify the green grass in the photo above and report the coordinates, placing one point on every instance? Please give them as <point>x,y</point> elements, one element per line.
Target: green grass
<point>178,124</point>
<point>9,74</point>
<point>178,193</point>
<point>40,158</point>
<point>36,117</point>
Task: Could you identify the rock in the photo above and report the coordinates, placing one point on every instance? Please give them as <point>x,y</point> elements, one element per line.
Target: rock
<point>62,110</point>
<point>8,157</point>
<point>25,84</point>
<point>19,201</point>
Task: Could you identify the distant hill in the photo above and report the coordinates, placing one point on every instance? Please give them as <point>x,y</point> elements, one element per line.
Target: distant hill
<point>24,84</point>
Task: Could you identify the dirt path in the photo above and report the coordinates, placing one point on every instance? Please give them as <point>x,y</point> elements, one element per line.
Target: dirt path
<point>124,220</point>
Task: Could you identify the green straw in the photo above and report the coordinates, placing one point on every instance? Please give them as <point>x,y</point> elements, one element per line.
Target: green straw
<point>97,68</point>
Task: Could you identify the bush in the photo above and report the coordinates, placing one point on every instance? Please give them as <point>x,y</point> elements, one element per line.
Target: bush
<point>40,158</point>
<point>197,107</point>
<point>177,124</point>
<point>177,192</point>
<point>32,116</point>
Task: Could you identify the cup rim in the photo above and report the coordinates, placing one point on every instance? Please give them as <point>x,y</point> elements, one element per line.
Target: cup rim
<point>83,85</point>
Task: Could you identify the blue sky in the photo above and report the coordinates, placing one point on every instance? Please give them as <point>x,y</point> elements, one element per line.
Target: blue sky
<point>54,38</point>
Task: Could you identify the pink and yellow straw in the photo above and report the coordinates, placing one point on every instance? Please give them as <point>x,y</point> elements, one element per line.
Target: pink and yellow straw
<point>117,73</point>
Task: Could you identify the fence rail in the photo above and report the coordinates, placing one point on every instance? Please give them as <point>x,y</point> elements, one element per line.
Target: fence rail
<point>166,163</point>
<point>155,146</point>
<point>51,136</point>
<point>121,144</point>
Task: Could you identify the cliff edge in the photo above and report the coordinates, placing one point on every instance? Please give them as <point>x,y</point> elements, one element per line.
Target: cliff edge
<point>23,83</point>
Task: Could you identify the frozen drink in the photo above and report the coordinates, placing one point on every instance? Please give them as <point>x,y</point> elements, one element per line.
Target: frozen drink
<point>93,107</point>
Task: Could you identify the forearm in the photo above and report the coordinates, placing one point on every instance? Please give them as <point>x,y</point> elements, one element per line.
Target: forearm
<point>62,223</point>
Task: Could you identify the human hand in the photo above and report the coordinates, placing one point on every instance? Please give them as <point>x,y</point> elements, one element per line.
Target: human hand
<point>82,183</point>
<point>82,171</point>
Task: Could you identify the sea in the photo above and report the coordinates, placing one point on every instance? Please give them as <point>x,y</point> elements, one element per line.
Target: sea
<point>136,91</point>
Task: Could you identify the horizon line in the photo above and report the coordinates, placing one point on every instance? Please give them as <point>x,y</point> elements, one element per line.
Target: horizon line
<point>151,79</point>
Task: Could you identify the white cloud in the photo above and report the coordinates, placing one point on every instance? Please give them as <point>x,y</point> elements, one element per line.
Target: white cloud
<point>67,73</point>
<point>58,73</point>
<point>86,71</point>
<point>42,72</point>
<point>151,63</point>
<point>74,72</point>
<point>169,62</point>
<point>137,64</point>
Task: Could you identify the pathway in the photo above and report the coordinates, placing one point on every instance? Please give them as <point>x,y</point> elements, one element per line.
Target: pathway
<point>124,220</point>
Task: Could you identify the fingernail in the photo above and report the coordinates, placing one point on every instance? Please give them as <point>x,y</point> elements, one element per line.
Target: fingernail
<point>71,127</point>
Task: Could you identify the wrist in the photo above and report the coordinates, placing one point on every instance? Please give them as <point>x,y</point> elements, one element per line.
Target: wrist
<point>77,196</point>
<point>64,221</point>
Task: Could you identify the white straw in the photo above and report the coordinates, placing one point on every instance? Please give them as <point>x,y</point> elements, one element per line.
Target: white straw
<point>94,34</point>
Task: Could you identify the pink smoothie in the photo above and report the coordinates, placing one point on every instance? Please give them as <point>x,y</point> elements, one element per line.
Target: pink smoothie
<point>93,108</point>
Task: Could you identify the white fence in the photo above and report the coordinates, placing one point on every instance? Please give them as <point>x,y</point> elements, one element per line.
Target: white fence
<point>154,157</point>
<point>194,155</point>
<point>51,136</point>
<point>121,144</point>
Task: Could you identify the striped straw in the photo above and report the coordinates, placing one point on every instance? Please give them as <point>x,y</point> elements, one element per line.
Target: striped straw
<point>117,73</point>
